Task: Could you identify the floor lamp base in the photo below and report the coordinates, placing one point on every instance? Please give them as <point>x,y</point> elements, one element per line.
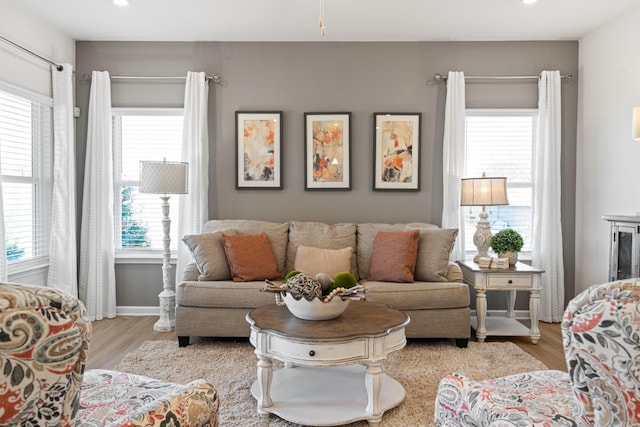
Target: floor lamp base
<point>167,321</point>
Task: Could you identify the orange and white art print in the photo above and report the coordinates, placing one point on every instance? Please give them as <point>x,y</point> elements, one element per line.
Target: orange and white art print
<point>327,151</point>
<point>259,150</point>
<point>397,151</point>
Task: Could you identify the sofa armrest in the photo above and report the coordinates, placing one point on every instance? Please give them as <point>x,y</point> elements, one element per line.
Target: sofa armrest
<point>190,273</point>
<point>454,273</point>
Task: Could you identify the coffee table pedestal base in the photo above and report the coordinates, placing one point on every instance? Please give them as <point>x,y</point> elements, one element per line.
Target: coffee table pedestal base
<point>327,396</point>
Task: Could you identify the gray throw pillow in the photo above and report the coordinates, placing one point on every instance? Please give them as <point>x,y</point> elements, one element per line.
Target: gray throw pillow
<point>208,254</point>
<point>434,249</point>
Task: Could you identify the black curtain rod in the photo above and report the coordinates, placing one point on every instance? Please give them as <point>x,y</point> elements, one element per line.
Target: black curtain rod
<point>24,49</point>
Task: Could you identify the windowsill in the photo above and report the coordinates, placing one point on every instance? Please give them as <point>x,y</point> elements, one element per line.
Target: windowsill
<point>142,257</point>
<point>27,266</point>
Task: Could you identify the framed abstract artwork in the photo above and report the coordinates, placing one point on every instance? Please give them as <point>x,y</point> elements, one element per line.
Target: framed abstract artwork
<point>327,151</point>
<point>259,150</point>
<point>396,151</point>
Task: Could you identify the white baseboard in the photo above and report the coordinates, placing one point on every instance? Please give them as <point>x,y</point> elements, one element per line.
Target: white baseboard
<point>132,310</point>
<point>520,314</point>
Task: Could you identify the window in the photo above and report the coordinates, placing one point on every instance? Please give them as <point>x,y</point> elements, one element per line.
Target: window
<point>26,137</point>
<point>143,134</point>
<point>500,143</point>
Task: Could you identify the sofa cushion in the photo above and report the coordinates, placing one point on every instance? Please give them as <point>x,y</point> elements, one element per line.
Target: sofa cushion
<point>311,261</point>
<point>250,257</point>
<point>394,256</point>
<point>537,398</point>
<point>223,294</point>
<point>111,398</point>
<point>418,295</point>
<point>208,255</point>
<point>434,251</point>
<point>278,234</point>
<point>320,235</point>
<point>366,234</point>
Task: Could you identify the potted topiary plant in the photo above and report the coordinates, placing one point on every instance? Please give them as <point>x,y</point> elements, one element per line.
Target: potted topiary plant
<point>507,243</point>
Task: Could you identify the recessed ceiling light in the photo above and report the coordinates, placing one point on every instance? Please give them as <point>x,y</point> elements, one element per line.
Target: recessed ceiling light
<point>529,1</point>
<point>121,2</point>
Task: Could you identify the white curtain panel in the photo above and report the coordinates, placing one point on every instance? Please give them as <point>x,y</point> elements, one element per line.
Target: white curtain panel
<point>97,272</point>
<point>3,246</point>
<point>547,224</point>
<point>63,267</point>
<point>194,206</point>
<point>453,163</point>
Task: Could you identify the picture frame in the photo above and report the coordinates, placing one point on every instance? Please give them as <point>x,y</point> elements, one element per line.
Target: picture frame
<point>396,151</point>
<point>259,150</point>
<point>327,151</point>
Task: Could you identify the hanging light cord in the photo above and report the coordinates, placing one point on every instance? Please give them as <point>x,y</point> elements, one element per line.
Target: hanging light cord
<point>321,20</point>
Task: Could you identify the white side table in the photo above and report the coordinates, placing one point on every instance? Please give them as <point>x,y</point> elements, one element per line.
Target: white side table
<point>519,277</point>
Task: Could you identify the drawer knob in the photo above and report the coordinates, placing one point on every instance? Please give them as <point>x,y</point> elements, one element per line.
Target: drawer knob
<point>510,281</point>
<point>312,353</point>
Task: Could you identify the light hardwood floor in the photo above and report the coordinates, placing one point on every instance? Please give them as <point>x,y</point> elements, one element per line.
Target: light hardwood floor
<point>114,338</point>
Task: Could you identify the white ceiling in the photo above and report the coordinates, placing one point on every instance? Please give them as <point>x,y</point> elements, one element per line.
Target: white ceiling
<point>345,20</point>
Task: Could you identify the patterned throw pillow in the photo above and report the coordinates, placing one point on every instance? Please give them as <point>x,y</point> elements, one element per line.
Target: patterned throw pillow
<point>394,256</point>
<point>250,257</point>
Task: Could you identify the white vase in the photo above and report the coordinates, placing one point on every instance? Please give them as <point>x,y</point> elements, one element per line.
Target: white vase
<point>513,257</point>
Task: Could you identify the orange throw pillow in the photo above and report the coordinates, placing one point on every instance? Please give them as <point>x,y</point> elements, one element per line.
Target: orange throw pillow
<point>394,256</point>
<point>250,257</point>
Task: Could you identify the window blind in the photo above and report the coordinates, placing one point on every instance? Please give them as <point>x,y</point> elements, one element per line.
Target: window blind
<point>500,143</point>
<point>25,165</point>
<point>143,134</point>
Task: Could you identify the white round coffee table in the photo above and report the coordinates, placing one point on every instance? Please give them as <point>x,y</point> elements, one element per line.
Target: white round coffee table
<point>334,371</point>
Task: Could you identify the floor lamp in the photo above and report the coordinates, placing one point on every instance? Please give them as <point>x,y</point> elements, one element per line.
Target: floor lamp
<point>485,191</point>
<point>162,177</point>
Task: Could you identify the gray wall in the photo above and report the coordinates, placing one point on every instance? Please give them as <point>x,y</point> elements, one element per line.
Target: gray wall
<point>361,78</point>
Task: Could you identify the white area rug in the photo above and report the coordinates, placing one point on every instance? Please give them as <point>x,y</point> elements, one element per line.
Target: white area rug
<point>231,367</point>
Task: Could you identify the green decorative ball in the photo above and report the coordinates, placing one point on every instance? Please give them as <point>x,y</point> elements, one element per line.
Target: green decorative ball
<point>344,280</point>
<point>291,274</point>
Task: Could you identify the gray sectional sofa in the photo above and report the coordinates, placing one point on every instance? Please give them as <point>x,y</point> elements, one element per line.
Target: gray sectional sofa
<point>210,304</point>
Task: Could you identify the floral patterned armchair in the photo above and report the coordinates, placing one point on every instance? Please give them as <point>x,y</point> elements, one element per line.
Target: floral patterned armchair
<point>601,340</point>
<point>44,341</point>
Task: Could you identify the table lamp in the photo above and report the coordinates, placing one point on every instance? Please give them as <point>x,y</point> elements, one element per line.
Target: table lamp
<point>164,178</point>
<point>485,191</point>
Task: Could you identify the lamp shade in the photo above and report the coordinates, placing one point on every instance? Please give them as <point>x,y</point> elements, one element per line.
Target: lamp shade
<point>162,177</point>
<point>635,129</point>
<point>485,191</point>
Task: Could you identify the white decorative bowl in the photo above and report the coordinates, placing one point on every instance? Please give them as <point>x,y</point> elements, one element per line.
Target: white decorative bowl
<point>315,309</point>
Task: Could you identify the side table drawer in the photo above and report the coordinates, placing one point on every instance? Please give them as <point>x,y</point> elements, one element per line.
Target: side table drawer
<point>495,281</point>
<point>297,351</point>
